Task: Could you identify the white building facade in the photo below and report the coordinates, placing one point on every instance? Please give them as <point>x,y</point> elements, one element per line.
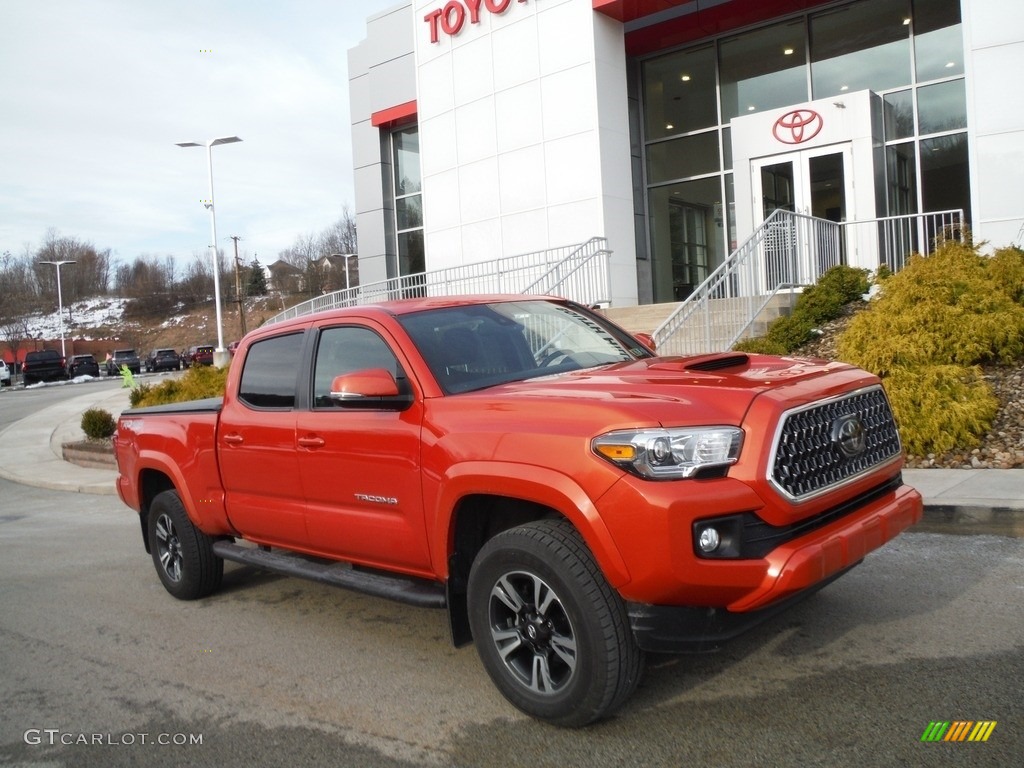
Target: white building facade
<point>489,128</point>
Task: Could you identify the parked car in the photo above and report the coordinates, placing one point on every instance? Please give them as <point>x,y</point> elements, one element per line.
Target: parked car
<point>43,365</point>
<point>163,360</point>
<point>5,374</point>
<point>124,358</point>
<point>82,365</point>
<point>200,355</point>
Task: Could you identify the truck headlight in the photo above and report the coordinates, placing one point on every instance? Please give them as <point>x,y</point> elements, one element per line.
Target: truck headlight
<point>670,454</point>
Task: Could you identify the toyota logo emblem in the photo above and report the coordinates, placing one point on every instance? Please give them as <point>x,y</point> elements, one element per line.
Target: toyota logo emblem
<point>797,126</point>
<point>848,435</point>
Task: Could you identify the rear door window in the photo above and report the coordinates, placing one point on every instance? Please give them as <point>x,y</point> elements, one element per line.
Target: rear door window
<point>271,372</point>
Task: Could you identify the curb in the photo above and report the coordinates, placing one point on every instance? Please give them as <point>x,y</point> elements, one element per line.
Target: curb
<point>971,520</point>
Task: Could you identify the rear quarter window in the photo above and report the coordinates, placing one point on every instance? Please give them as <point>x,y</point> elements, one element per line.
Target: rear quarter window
<point>271,372</point>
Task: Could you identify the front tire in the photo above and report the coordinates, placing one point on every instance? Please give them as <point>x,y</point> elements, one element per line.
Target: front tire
<point>183,555</point>
<point>552,634</point>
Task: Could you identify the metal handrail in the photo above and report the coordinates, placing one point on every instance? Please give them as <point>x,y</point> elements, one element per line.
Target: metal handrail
<point>789,251</point>
<point>580,272</point>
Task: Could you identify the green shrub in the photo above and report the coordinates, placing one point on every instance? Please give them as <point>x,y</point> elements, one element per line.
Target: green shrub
<point>197,383</point>
<point>940,407</point>
<point>954,307</point>
<point>932,325</point>
<point>818,303</point>
<point>1007,268</point>
<point>825,299</point>
<point>760,345</point>
<point>98,424</point>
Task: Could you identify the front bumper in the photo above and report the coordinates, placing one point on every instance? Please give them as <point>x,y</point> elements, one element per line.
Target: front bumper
<point>790,572</point>
<point>674,629</point>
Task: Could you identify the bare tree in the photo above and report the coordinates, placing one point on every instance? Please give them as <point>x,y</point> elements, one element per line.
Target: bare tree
<point>89,276</point>
<point>309,253</point>
<point>15,332</point>
<point>17,286</point>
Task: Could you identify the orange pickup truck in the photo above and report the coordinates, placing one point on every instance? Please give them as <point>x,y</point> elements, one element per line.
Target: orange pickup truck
<point>573,500</point>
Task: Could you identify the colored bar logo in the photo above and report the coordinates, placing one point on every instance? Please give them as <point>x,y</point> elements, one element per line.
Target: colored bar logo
<point>958,730</point>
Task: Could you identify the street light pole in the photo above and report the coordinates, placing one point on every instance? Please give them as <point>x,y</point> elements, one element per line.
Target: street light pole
<point>60,300</point>
<point>346,257</point>
<point>221,356</point>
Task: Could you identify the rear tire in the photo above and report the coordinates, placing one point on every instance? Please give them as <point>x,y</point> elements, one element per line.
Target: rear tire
<point>552,634</point>
<point>183,555</point>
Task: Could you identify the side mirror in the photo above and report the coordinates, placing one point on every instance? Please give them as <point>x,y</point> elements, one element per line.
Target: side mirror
<point>646,339</point>
<point>372,382</point>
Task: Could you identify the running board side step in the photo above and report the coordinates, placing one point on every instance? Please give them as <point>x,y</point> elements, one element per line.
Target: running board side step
<point>404,589</point>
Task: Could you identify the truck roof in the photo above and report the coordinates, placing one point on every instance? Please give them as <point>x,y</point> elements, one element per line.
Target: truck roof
<point>398,307</point>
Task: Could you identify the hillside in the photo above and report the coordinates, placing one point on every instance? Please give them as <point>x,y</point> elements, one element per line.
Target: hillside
<point>98,325</point>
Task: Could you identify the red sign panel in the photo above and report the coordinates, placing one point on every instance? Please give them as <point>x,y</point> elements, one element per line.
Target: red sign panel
<point>452,16</point>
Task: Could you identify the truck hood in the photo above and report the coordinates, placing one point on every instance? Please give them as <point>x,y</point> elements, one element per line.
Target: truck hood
<point>712,389</point>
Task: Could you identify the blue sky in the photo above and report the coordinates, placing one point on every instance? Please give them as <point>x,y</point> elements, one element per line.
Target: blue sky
<point>94,94</point>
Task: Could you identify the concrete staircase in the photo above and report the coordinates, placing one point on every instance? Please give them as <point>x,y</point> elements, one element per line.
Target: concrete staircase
<point>643,318</point>
<point>646,317</point>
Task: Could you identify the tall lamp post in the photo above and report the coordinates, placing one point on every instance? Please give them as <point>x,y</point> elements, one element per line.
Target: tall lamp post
<point>220,355</point>
<point>60,300</point>
<point>346,257</point>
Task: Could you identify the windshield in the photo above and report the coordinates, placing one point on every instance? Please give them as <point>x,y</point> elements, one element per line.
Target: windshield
<point>480,345</point>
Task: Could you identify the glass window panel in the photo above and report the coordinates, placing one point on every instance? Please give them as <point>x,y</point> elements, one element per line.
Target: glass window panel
<point>409,212</point>
<point>727,147</point>
<point>686,222</point>
<point>271,372</point>
<point>679,93</point>
<point>942,107</point>
<point>410,252</point>
<point>679,158</point>
<point>899,115</point>
<point>730,214</point>
<point>860,46</point>
<point>901,177</point>
<point>407,160</point>
<point>345,350</point>
<point>938,39</point>
<point>764,69</point>
<point>945,181</point>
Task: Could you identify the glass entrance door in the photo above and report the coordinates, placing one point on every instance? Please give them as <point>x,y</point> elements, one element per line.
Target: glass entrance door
<point>814,183</point>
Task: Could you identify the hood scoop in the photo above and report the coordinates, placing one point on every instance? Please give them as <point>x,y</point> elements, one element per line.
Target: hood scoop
<point>718,362</point>
<point>705,363</point>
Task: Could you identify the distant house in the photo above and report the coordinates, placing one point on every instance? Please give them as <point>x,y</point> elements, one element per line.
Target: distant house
<point>284,277</point>
<point>339,270</point>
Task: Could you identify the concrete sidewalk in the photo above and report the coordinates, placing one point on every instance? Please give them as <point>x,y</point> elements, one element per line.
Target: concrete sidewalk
<point>956,500</point>
<point>30,449</point>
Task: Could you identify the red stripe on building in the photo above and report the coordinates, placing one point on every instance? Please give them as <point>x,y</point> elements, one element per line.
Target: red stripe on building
<point>400,113</point>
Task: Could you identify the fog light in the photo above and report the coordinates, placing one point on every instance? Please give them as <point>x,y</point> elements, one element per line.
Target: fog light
<point>708,540</point>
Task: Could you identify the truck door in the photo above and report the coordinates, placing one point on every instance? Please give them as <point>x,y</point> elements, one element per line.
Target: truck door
<point>256,445</point>
<point>360,460</point>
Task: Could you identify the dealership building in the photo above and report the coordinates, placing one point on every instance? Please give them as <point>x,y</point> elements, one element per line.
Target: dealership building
<point>672,129</point>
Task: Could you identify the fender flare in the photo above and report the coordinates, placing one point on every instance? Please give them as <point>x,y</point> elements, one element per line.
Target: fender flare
<point>207,513</point>
<point>530,483</point>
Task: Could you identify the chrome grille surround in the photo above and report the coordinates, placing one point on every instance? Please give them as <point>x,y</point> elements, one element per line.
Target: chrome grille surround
<point>826,444</point>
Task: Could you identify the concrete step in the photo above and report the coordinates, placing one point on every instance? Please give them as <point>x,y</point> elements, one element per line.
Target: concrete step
<point>725,314</point>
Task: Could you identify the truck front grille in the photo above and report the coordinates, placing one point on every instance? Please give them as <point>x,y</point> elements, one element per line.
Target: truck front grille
<point>825,444</point>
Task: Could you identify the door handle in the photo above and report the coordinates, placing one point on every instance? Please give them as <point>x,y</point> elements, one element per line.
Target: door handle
<point>234,439</point>
<point>312,441</point>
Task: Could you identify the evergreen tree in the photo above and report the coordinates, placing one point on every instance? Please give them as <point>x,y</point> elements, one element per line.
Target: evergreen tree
<point>256,284</point>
